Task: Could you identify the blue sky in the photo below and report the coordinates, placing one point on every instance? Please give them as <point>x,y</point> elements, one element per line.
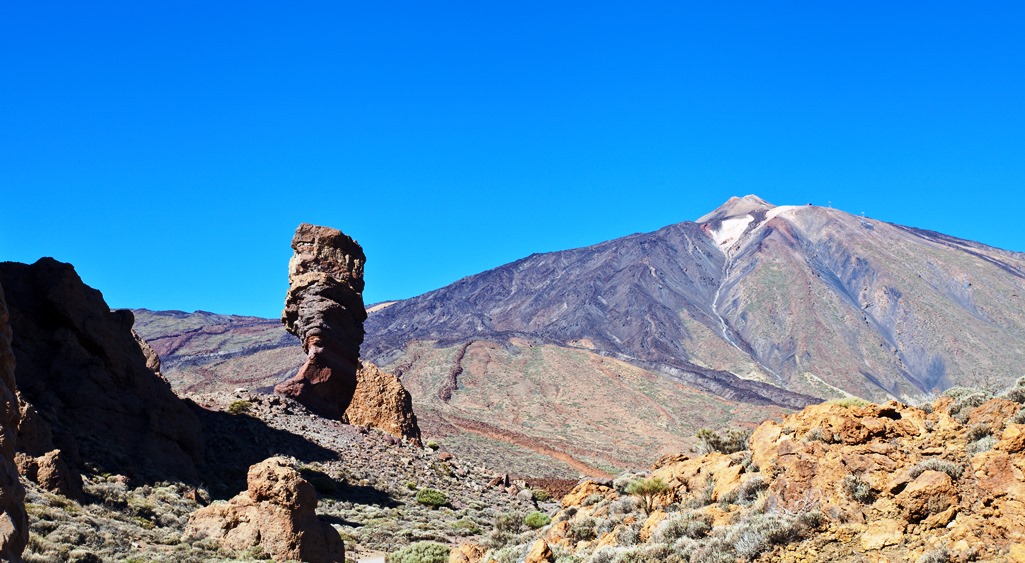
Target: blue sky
<point>169,149</point>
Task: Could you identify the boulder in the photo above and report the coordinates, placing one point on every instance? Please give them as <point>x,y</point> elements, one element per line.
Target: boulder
<point>380,401</point>
<point>51,472</point>
<point>277,512</point>
<point>540,552</point>
<point>466,553</point>
<point>324,308</point>
<point>13,519</point>
<point>930,493</point>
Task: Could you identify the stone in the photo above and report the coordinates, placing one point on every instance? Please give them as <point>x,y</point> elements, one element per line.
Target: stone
<point>324,308</point>
<point>277,512</point>
<point>882,533</point>
<point>13,518</point>
<point>539,552</point>
<point>1017,553</point>
<point>380,401</point>
<point>466,553</point>
<point>86,377</point>
<point>930,493</point>
<point>51,472</point>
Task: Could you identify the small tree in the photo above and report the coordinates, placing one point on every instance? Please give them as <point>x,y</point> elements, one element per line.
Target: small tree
<point>647,490</point>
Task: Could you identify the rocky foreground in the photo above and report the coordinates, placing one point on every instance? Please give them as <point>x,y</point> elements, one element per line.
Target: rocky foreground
<point>839,481</point>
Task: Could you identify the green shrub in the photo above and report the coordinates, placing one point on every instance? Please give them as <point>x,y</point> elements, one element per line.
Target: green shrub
<point>541,495</point>
<point>467,525</point>
<point>420,552</point>
<point>433,445</point>
<point>240,406</point>
<point>647,490</point>
<point>536,520</point>
<point>734,441</point>
<point>848,402</point>
<point>584,530</point>
<point>947,467</point>
<point>431,497</point>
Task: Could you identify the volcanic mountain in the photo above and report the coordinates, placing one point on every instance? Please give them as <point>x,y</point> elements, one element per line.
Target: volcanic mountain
<point>604,357</point>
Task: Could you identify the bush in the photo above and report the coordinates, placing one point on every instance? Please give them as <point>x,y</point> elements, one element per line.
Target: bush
<point>848,402</point>
<point>858,488</point>
<point>960,408</point>
<point>431,497</point>
<point>420,552</point>
<point>511,523</point>
<point>981,445</point>
<point>1018,418</point>
<point>947,467</point>
<point>433,445</point>
<point>734,441</point>
<point>678,526</point>
<point>541,495</point>
<point>466,525</point>
<point>940,555</point>
<point>536,520</point>
<point>240,406</point>
<point>646,490</point>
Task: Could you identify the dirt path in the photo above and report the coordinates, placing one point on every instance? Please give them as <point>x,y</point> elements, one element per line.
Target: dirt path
<point>488,431</point>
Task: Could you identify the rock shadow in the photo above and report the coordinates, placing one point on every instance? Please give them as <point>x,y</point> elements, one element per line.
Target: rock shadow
<point>232,443</point>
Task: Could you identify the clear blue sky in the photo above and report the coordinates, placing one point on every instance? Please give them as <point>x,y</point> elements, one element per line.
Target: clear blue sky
<point>169,149</point>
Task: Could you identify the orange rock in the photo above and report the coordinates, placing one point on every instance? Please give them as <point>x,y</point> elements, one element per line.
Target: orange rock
<point>882,533</point>
<point>380,401</point>
<point>277,513</point>
<point>652,522</point>
<point>540,552</point>
<point>576,496</point>
<point>930,493</point>
<point>993,412</point>
<point>466,553</point>
<point>1013,439</point>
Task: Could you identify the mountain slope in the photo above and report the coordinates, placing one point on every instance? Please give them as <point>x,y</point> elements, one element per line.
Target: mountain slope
<point>803,299</point>
<point>599,358</point>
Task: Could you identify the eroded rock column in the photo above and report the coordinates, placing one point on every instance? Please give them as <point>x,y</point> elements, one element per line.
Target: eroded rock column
<point>324,308</point>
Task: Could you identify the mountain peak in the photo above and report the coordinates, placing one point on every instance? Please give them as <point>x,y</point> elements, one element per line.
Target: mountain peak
<point>737,207</point>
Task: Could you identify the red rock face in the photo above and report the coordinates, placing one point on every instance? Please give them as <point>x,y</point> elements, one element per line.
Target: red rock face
<point>324,308</point>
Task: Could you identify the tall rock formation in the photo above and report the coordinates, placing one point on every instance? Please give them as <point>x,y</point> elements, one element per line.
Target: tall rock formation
<point>91,393</point>
<point>13,519</point>
<point>324,308</point>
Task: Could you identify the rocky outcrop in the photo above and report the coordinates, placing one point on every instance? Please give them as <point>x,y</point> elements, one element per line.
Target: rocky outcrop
<point>51,472</point>
<point>381,402</point>
<point>85,378</point>
<point>277,513</point>
<point>838,481</point>
<point>13,519</point>
<point>324,308</point>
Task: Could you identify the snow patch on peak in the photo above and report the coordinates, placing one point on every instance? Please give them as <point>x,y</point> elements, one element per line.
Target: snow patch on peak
<point>730,230</point>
